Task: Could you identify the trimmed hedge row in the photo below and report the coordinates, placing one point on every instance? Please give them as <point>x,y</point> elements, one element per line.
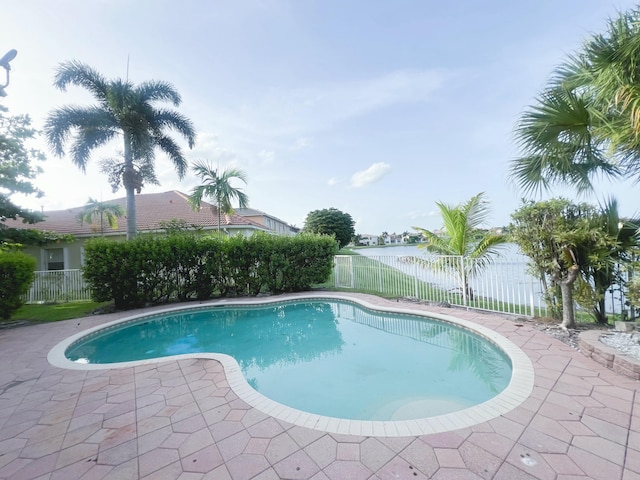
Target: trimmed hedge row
<point>16,276</point>
<point>183,267</point>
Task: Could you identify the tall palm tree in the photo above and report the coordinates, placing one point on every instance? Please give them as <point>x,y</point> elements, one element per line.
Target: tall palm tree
<point>217,185</point>
<point>123,110</point>
<point>102,210</point>
<point>465,247</point>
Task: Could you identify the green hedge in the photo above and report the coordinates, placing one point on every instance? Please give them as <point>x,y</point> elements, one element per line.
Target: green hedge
<point>182,267</point>
<point>16,276</point>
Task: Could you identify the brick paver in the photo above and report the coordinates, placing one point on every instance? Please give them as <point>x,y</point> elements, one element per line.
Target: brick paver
<point>180,419</point>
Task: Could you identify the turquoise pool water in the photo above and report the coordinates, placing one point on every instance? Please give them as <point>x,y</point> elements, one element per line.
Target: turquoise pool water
<point>328,357</point>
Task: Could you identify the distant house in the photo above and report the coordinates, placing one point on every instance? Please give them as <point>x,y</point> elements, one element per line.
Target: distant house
<point>394,239</point>
<point>151,210</point>
<point>368,239</point>
<point>275,225</point>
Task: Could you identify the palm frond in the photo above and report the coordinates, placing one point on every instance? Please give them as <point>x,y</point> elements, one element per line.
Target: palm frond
<point>154,90</point>
<point>82,75</point>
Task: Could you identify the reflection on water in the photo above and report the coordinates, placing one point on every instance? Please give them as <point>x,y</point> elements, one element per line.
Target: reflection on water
<point>255,337</point>
<point>327,357</point>
<point>468,351</point>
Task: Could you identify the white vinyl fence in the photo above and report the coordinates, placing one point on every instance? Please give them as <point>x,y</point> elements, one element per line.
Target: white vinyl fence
<point>58,286</point>
<point>502,286</point>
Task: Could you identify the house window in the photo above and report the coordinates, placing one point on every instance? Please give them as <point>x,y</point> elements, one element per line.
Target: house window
<point>54,258</point>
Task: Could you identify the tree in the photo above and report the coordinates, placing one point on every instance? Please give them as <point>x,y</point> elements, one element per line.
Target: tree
<point>462,237</point>
<point>559,143</point>
<point>616,240</point>
<point>17,169</point>
<point>587,121</point>
<point>218,186</point>
<point>331,221</point>
<point>103,211</point>
<point>557,236</point>
<point>125,110</point>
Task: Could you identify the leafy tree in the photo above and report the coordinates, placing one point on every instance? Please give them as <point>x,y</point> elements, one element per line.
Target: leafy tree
<point>558,237</point>
<point>333,222</point>
<point>218,186</point>
<point>17,169</point>
<point>462,236</point>
<point>102,211</point>
<point>122,109</point>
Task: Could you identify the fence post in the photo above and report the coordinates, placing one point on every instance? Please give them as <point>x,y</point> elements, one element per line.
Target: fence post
<point>464,281</point>
<point>531,297</point>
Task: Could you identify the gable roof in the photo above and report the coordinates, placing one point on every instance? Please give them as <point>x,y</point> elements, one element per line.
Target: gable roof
<point>252,212</point>
<point>151,210</point>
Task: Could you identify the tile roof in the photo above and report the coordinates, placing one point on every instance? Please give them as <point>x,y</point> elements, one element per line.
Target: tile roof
<point>151,209</point>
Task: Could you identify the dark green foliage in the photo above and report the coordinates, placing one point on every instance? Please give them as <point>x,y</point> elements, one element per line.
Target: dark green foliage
<point>331,221</point>
<point>183,267</point>
<point>30,236</point>
<point>16,276</point>
<point>17,169</point>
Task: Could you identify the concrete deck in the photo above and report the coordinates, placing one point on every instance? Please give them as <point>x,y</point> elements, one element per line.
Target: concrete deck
<point>180,419</point>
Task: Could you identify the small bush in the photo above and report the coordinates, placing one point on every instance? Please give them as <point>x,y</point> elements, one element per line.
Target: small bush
<point>16,276</point>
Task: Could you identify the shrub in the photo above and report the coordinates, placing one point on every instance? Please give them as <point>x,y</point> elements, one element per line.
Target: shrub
<point>182,267</point>
<point>16,276</point>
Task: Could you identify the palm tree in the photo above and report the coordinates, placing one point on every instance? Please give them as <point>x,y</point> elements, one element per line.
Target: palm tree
<point>104,211</point>
<point>122,109</point>
<point>558,136</point>
<point>606,257</point>
<point>464,247</point>
<point>588,121</point>
<point>218,186</point>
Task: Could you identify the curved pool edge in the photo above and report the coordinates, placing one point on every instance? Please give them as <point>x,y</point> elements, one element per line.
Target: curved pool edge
<point>517,391</point>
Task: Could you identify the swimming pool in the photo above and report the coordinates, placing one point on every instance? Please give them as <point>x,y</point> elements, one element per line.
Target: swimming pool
<point>402,367</point>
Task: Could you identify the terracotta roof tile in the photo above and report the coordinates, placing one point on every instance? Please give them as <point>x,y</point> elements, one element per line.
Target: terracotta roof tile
<point>151,209</point>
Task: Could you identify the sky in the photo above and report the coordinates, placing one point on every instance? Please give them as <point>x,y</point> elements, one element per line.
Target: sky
<point>377,108</point>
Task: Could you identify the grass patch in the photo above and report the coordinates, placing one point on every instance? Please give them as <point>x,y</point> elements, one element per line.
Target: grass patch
<point>54,312</point>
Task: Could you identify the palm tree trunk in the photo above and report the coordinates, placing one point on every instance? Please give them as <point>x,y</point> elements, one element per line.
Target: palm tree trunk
<point>129,186</point>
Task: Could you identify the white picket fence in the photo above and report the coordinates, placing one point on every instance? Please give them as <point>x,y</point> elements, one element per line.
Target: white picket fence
<point>58,286</point>
<point>503,286</point>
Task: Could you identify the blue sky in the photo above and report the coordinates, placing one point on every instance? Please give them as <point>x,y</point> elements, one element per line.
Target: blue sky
<point>377,108</point>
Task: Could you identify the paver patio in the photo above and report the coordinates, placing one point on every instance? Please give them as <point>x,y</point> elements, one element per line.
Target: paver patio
<point>179,419</point>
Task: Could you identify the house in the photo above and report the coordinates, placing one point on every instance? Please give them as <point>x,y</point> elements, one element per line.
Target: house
<point>368,239</point>
<point>275,225</point>
<point>394,239</point>
<point>152,209</point>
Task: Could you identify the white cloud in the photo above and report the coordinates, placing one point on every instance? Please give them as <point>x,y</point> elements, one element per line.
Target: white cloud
<point>371,175</point>
<point>333,181</point>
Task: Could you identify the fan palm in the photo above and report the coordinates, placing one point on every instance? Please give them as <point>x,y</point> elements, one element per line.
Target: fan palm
<point>123,110</point>
<point>104,211</point>
<point>466,248</point>
<point>560,143</point>
<point>217,185</point>
<point>588,121</point>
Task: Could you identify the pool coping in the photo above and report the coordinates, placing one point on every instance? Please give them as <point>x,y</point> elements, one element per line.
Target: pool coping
<point>516,392</point>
